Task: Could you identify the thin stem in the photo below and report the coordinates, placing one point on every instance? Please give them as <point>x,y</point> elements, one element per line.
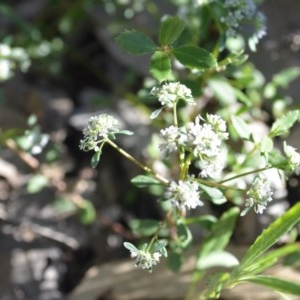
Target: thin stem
<point>217,184</point>
<point>28,159</point>
<point>185,167</point>
<point>139,164</point>
<point>154,238</point>
<point>175,114</point>
<point>245,174</point>
<point>181,153</point>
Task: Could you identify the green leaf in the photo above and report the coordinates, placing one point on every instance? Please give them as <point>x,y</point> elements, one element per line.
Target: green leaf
<point>274,283</point>
<point>241,127</point>
<point>283,124</point>
<point>174,261</point>
<point>270,258</point>
<point>160,66</point>
<point>32,120</point>
<point>95,159</point>
<point>270,90</point>
<point>220,234</point>
<point>135,42</point>
<point>217,259</point>
<point>125,132</point>
<point>215,284</point>
<point>130,247</point>
<point>194,57</point>
<point>36,183</point>
<point>285,77</point>
<point>64,205</point>
<point>266,145</point>
<point>271,235</point>
<point>87,213</point>
<point>155,114</point>
<point>170,29</point>
<point>145,227</point>
<point>223,91</point>
<point>276,160</point>
<point>158,246</point>
<point>144,181</point>
<point>217,197</point>
<point>184,234</point>
<point>205,221</point>
<point>243,97</point>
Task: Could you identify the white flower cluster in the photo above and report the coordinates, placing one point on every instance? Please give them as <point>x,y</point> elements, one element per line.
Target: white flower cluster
<point>149,255</point>
<point>204,140</point>
<point>145,260</point>
<point>170,93</point>
<point>293,158</point>
<point>240,11</point>
<point>184,194</point>
<point>9,58</point>
<point>99,127</point>
<point>259,194</point>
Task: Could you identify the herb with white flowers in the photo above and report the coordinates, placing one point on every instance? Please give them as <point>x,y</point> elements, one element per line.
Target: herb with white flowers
<point>208,147</point>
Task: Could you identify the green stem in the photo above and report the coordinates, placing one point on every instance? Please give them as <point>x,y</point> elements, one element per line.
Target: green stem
<point>154,238</point>
<point>217,184</point>
<point>139,164</point>
<point>185,167</point>
<point>175,114</point>
<point>180,150</point>
<point>245,174</point>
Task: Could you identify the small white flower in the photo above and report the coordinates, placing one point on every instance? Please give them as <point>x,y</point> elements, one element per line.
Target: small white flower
<point>145,260</point>
<point>259,194</point>
<point>203,140</point>
<point>170,93</point>
<point>219,125</point>
<point>293,157</point>
<point>184,194</point>
<point>260,25</point>
<point>212,168</point>
<point>239,12</point>
<point>5,69</point>
<point>170,136</point>
<point>99,127</point>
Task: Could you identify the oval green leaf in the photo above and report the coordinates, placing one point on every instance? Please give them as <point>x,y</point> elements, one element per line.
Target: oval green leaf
<point>217,259</point>
<point>95,159</point>
<point>160,66</point>
<point>241,127</point>
<point>194,57</point>
<point>145,227</point>
<point>283,124</point>
<point>143,181</point>
<point>184,234</point>
<point>216,196</point>
<point>130,247</point>
<point>87,213</point>
<point>135,42</point>
<point>170,30</point>
<point>174,261</point>
<point>36,183</point>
